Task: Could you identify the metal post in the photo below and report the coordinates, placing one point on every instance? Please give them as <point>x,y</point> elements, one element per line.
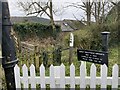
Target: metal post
<point>105,36</point>
<point>0,43</point>
<point>9,58</point>
<point>0,32</point>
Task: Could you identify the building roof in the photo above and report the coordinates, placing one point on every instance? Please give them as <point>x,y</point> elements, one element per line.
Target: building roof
<point>70,25</point>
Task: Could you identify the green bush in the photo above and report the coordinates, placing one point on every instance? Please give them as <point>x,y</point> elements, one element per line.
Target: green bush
<point>34,29</point>
<point>96,41</point>
<point>114,33</point>
<point>112,28</point>
<point>82,39</point>
<point>91,38</point>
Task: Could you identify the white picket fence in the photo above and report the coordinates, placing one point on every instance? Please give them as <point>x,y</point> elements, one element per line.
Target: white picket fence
<point>57,78</point>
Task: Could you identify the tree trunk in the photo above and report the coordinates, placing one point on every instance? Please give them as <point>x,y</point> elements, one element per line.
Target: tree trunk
<point>103,12</point>
<point>95,12</point>
<point>52,19</point>
<point>88,5</point>
<point>98,11</point>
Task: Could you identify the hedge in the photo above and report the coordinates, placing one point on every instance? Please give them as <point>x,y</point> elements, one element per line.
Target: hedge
<point>35,29</point>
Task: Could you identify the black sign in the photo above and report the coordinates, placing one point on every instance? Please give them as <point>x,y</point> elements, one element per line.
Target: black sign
<point>93,56</point>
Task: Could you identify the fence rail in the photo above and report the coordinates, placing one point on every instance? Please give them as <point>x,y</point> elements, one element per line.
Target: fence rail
<point>57,78</point>
<point>32,54</point>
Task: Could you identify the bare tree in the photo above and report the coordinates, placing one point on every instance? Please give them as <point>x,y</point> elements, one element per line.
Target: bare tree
<point>39,8</point>
<point>85,6</point>
<point>100,10</point>
<point>117,5</point>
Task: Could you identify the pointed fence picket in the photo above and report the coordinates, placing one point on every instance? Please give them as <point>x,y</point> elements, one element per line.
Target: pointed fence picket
<point>57,78</point>
<point>52,77</point>
<point>25,76</point>
<point>32,76</point>
<point>82,76</point>
<point>42,76</point>
<point>93,76</point>
<point>115,76</point>
<point>72,76</point>
<point>17,76</point>
<point>62,76</point>
<point>104,76</point>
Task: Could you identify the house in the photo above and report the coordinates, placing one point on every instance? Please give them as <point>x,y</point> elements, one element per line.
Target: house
<point>70,25</point>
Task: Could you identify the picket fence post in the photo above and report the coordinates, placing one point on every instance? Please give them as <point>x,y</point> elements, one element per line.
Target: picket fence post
<point>32,75</point>
<point>93,77</point>
<point>104,76</point>
<point>115,71</point>
<point>17,76</point>
<point>82,76</point>
<point>52,77</point>
<point>57,75</point>
<point>42,76</point>
<point>25,76</point>
<point>72,76</point>
<point>62,76</point>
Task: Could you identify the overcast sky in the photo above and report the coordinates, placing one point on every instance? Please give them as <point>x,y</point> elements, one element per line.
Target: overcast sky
<point>64,13</point>
<point>67,13</point>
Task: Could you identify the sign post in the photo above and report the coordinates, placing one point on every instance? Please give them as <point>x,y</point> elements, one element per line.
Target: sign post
<point>71,47</point>
<point>105,36</point>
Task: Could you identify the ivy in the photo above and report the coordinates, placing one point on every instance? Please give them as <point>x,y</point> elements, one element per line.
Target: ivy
<point>37,29</point>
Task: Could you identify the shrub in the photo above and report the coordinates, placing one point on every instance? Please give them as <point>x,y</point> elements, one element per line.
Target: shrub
<point>112,28</point>
<point>82,39</point>
<point>91,38</point>
<point>34,29</point>
<point>114,33</point>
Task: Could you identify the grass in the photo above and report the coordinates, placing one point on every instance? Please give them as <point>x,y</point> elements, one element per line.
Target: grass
<point>2,79</point>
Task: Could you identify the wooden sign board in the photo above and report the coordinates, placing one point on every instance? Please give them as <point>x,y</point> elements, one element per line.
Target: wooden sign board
<point>0,30</point>
<point>92,56</point>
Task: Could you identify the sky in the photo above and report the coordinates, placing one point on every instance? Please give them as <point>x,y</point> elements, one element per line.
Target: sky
<point>64,13</point>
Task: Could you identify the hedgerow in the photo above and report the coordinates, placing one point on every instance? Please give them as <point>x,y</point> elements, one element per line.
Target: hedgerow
<point>35,29</point>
